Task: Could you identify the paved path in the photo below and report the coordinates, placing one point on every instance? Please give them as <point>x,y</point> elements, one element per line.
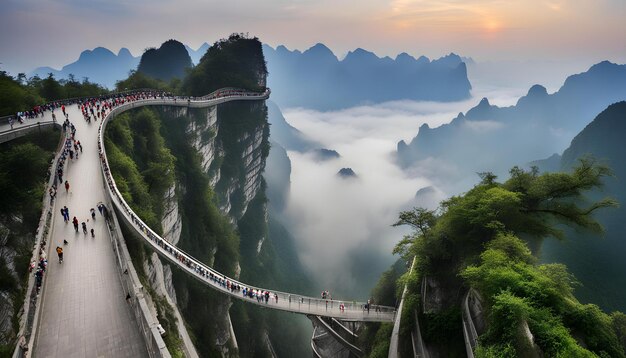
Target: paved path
<point>84,312</point>
<point>292,302</point>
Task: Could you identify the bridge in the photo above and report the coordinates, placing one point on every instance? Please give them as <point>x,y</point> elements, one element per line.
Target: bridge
<point>83,296</point>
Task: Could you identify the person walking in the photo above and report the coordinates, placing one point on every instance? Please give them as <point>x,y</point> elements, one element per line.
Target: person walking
<point>75,222</point>
<point>60,254</point>
<point>93,233</point>
<point>67,186</point>
<point>84,228</point>
<point>63,213</point>
<point>93,213</point>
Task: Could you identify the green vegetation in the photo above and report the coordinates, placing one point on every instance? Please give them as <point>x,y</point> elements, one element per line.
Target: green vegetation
<point>24,164</point>
<point>141,146</point>
<point>520,292</point>
<point>142,167</point>
<point>137,80</point>
<point>474,241</point>
<point>206,233</point>
<point>238,120</point>
<point>15,96</point>
<point>233,62</point>
<point>204,227</point>
<point>169,61</point>
<point>21,94</point>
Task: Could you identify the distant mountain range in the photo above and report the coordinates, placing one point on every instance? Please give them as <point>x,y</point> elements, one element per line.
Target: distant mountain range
<point>104,67</point>
<point>492,138</point>
<point>316,78</point>
<point>99,65</point>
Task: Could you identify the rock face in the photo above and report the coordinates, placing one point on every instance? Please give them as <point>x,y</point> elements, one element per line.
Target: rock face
<point>346,173</point>
<point>169,61</point>
<point>278,176</point>
<point>232,148</point>
<point>7,309</point>
<point>283,133</point>
<point>316,79</point>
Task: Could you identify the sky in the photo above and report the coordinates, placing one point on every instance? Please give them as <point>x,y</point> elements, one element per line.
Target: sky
<point>52,33</point>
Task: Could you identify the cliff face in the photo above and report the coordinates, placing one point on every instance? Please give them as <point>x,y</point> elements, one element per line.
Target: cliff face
<point>215,208</point>
<point>220,155</point>
<point>23,170</point>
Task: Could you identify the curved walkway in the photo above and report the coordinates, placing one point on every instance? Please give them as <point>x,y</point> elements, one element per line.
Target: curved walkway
<point>84,312</point>
<point>352,311</point>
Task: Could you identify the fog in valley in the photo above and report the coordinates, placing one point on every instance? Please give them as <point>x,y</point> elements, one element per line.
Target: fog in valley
<point>343,225</point>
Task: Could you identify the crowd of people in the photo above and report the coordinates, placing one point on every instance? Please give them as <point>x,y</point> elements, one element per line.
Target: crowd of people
<point>96,109</point>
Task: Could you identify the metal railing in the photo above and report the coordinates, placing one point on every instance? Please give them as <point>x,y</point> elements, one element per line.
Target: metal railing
<point>345,310</point>
<point>147,322</point>
<point>5,119</point>
<point>470,334</point>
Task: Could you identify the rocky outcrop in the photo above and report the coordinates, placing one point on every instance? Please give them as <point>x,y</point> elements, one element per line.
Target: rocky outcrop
<point>7,255</point>
<point>171,221</point>
<point>220,151</point>
<point>169,61</point>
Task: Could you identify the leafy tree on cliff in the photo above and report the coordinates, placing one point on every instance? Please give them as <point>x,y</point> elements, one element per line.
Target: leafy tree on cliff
<point>169,61</point>
<point>234,62</point>
<point>473,240</point>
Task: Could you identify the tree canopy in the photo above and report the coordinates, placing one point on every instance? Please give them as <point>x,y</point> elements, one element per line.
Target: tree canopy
<point>233,62</point>
<point>475,240</point>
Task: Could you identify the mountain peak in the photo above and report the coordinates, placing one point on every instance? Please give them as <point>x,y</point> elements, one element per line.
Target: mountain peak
<point>604,65</point>
<point>451,60</point>
<point>405,57</point>
<point>320,51</point>
<point>346,173</point>
<point>360,54</point>
<point>484,102</point>
<point>124,52</point>
<point>537,91</point>
<point>96,52</point>
<point>318,48</point>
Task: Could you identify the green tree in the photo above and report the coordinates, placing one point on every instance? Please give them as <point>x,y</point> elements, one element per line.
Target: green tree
<point>51,90</point>
<point>234,62</point>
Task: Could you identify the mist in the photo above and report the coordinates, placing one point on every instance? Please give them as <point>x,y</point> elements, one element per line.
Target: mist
<point>343,226</point>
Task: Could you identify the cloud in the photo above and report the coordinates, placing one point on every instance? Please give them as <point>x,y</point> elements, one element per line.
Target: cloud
<point>483,126</point>
<point>338,223</point>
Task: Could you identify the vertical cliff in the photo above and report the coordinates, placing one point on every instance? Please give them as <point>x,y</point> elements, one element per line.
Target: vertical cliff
<point>24,166</point>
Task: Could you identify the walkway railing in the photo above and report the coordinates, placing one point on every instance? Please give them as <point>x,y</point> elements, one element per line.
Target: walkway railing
<point>345,310</point>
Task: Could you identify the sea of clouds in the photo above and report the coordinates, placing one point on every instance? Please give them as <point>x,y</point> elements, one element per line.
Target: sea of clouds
<point>343,226</point>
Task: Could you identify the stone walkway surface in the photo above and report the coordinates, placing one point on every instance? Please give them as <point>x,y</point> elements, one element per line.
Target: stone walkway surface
<point>84,311</point>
